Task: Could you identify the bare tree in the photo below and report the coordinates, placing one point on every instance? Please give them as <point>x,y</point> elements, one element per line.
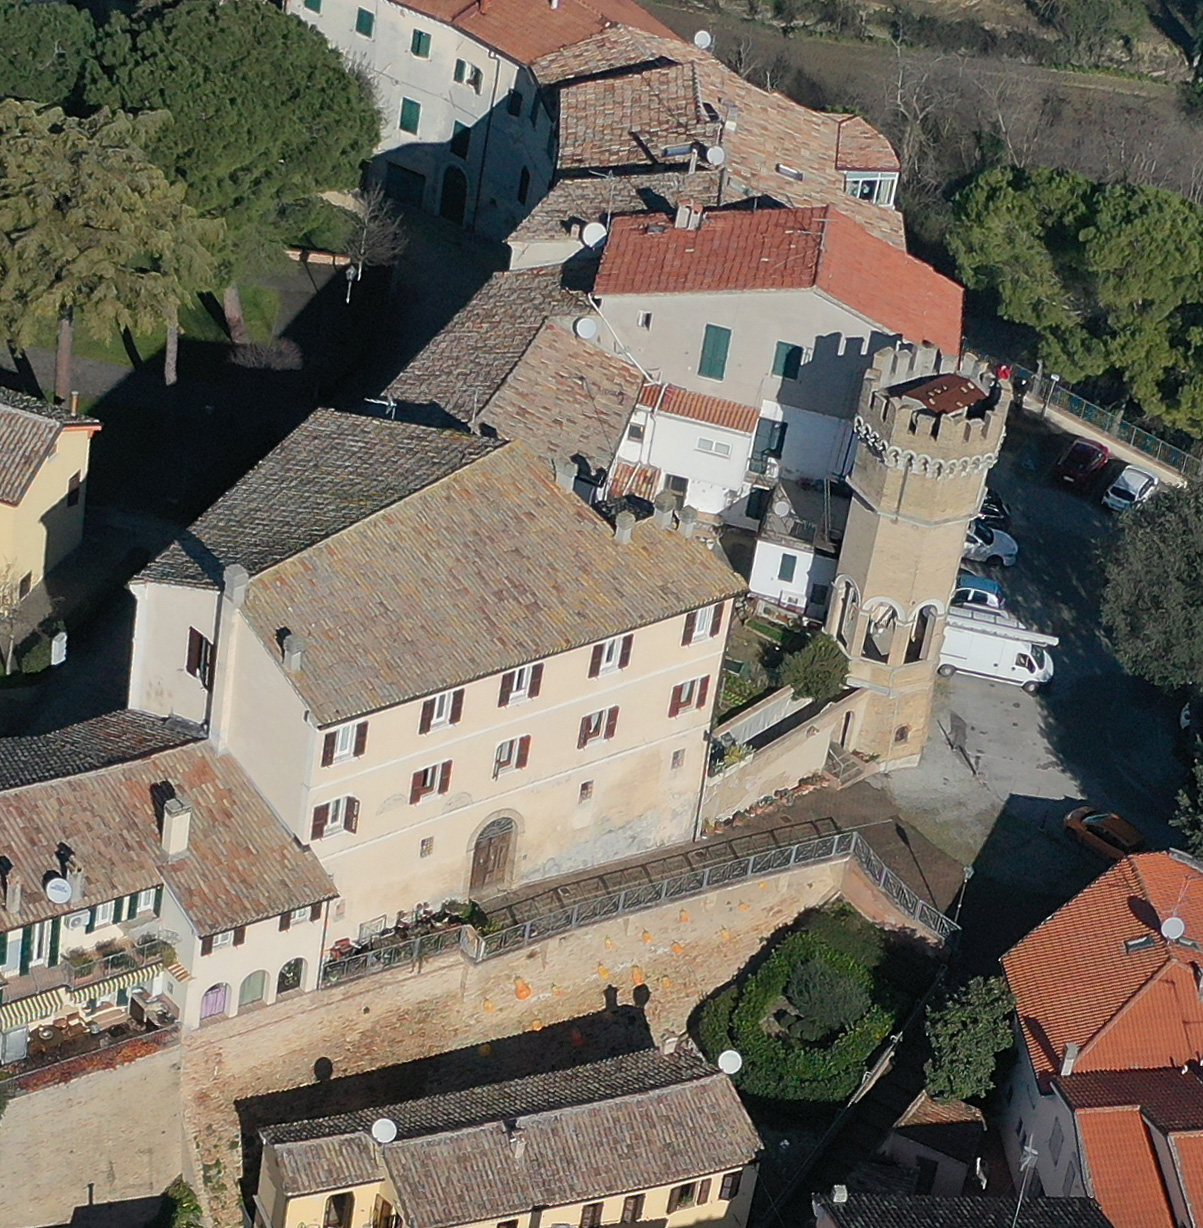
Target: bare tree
<point>378,237</point>
<point>742,59</point>
<point>10,615</point>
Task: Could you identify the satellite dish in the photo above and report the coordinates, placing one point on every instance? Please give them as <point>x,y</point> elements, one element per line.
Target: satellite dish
<point>1173,928</point>
<point>703,39</point>
<point>384,1129</point>
<point>730,1062</point>
<point>585,328</point>
<point>592,234</point>
<point>716,155</point>
<point>57,889</point>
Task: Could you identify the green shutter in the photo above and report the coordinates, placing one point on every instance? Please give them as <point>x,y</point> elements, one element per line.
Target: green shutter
<point>787,360</point>
<point>159,900</point>
<point>715,343</point>
<point>91,920</point>
<point>314,6</point>
<point>420,44</point>
<point>411,114</point>
<point>55,929</point>
<point>3,949</point>
<point>26,948</point>
<point>131,905</point>
<point>118,905</point>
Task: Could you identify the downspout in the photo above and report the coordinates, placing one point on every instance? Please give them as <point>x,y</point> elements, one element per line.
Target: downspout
<point>484,153</point>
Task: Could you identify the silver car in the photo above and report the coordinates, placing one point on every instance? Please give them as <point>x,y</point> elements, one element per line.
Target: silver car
<point>1133,486</point>
<point>991,546</point>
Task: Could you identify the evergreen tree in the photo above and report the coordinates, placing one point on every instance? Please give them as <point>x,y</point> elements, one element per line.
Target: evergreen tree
<point>818,671</point>
<point>967,1032</point>
<point>1188,817</point>
<point>43,51</point>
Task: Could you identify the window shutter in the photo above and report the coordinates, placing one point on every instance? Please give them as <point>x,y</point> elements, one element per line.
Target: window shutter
<point>611,723</point>
<point>523,751</point>
<point>703,691</point>
<point>596,659</point>
<point>716,620</point>
<point>55,930</point>
<point>704,1192</point>
<point>118,907</point>
<point>674,1199</point>
<point>361,738</point>
<point>582,738</point>
<point>624,653</point>
<point>131,905</point>
<point>690,622</point>
<point>91,923</point>
<point>328,744</point>
<point>507,686</point>
<point>195,640</point>
<point>445,776</point>
<point>536,680</point>
<point>285,920</point>
<point>207,945</point>
<point>457,706</point>
<point>730,1187</point>
<point>415,787</point>
<point>240,935</point>
<point>351,814</point>
<point>158,899</point>
<point>26,949</point>
<point>321,816</point>
<point>674,704</point>
<point>427,717</point>
<point>315,912</point>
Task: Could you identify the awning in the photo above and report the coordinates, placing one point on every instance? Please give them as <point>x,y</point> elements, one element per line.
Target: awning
<point>27,1010</point>
<point>110,985</point>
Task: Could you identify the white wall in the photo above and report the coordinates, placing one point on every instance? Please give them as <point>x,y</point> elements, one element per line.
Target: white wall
<point>159,680</point>
<point>1032,1117</point>
<point>816,444</point>
<point>810,570</point>
<point>671,444</point>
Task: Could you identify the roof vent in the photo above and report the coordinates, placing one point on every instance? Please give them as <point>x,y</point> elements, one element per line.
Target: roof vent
<point>12,891</point>
<point>1143,943</point>
<point>664,508</point>
<point>294,653</point>
<point>790,172</point>
<point>517,1139</point>
<point>689,215</point>
<point>839,1194</point>
<point>1069,1059</point>
<point>687,521</point>
<point>566,471</point>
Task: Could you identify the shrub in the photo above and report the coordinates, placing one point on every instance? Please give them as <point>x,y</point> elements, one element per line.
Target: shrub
<point>279,354</point>
<point>967,1031</point>
<point>817,671</point>
<point>825,998</point>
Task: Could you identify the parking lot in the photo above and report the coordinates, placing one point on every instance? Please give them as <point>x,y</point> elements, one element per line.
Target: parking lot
<point>997,800</point>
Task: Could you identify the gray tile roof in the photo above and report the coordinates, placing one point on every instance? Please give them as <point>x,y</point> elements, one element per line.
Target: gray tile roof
<point>625,1123</point>
<point>490,568</point>
<point>328,1164</point>
<point>331,472</point>
<point>28,430</point>
<point>115,737</point>
<point>930,1211</point>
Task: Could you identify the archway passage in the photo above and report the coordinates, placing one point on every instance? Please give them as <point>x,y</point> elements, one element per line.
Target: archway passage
<point>215,1001</point>
<point>453,202</point>
<point>291,976</point>
<point>491,855</point>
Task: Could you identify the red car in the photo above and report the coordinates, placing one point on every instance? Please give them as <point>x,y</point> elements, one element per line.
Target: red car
<point>1081,462</point>
<point>1104,833</point>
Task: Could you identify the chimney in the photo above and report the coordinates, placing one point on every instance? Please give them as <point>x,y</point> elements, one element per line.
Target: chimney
<point>294,653</point>
<point>689,215</point>
<point>624,522</point>
<point>517,1139</point>
<point>235,578</point>
<point>664,508</point>
<point>669,1043</point>
<point>78,881</point>
<point>12,891</point>
<point>484,5</point>
<point>566,471</point>
<point>555,4</point>
<point>687,521</point>
<point>177,819</point>
<point>1069,1058</point>
<point>839,1194</point>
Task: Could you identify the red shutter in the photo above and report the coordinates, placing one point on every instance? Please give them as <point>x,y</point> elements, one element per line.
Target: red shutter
<point>195,640</point>
<point>351,814</point>
<point>674,704</point>
<point>415,787</point>
<point>427,717</point>
<point>285,920</point>
<point>582,738</point>
<point>690,622</point>
<point>207,945</point>
<point>611,723</point>
<point>328,744</point>
<point>209,661</point>
<point>361,738</point>
<point>457,706</point>
<point>321,816</point>
<point>716,620</point>
<point>624,654</point>
<point>704,1192</point>
<point>703,691</point>
<point>536,680</point>
<point>240,935</point>
<point>596,659</point>
<point>674,1199</point>
<point>523,751</point>
<point>445,776</point>
<point>315,912</point>
<point>507,685</point>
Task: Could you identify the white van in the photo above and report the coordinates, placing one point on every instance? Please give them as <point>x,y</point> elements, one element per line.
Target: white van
<point>994,644</point>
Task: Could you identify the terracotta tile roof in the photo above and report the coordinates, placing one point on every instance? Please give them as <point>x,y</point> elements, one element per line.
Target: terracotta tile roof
<point>640,480</point>
<point>1122,1168</point>
<point>241,865</point>
<point>566,397</point>
<point>525,30</point>
<point>860,147</point>
<point>1075,980</point>
<point>618,47</point>
<point>630,1122</point>
<point>26,440</point>
<point>778,249</point>
<point>469,359</point>
<point>669,399</point>
<point>500,567</point>
<point>953,1128</point>
<point>1170,1098</point>
<point>932,1211</point>
<point>1187,1150</point>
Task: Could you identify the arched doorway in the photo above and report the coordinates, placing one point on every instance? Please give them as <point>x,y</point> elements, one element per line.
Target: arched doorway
<point>215,1001</point>
<point>492,854</point>
<point>252,990</point>
<point>454,199</point>
<point>291,976</point>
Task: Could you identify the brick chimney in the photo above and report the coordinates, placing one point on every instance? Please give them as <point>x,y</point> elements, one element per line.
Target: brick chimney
<point>177,822</point>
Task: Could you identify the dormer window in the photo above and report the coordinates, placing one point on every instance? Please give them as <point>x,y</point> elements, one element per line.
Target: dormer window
<point>878,187</point>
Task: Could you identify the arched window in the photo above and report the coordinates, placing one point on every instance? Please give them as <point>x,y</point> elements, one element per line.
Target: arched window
<point>879,634</point>
<point>252,989</point>
<point>215,1002</point>
<point>291,976</point>
<point>919,645</point>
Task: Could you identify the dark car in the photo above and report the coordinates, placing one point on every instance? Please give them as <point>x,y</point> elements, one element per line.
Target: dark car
<point>995,513</point>
<point>1081,463</point>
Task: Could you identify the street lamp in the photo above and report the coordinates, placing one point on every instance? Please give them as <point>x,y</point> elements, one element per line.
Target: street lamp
<point>1053,381</point>
<point>968,874</point>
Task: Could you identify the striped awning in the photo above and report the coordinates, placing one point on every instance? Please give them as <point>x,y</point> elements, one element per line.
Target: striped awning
<point>27,1010</point>
<point>110,985</point>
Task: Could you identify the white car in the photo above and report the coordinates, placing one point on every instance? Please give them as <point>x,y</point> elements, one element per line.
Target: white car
<point>1133,486</point>
<point>992,546</point>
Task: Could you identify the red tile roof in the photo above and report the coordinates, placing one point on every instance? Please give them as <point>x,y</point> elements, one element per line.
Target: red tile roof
<point>669,399</point>
<point>785,249</point>
<point>1170,1098</point>
<point>628,479</point>
<point>860,147</point>
<point>1123,1169</point>
<point>1075,981</point>
<point>1188,1160</point>
<point>524,30</point>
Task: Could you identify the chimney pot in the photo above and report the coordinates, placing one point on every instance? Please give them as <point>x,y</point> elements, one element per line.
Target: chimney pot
<point>839,1194</point>
<point>687,521</point>
<point>1069,1058</point>
<point>566,471</point>
<point>177,822</point>
<point>235,579</point>
<point>689,215</point>
<point>12,892</point>
<point>624,522</point>
<point>669,1043</point>
<point>664,508</point>
<point>294,653</point>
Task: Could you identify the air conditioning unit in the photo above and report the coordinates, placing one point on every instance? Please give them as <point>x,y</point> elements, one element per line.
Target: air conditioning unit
<point>76,920</point>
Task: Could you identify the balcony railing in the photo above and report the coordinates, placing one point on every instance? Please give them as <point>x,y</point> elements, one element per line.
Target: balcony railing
<point>95,966</point>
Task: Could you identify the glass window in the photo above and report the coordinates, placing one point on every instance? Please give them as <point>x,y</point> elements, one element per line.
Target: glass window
<point>426,847</point>
<point>298,915</point>
<point>585,792</point>
<point>443,707</point>
<point>344,742</point>
<point>461,71</point>
<point>787,566</point>
<point>523,186</point>
<point>146,899</point>
<point>337,817</point>
<point>788,360</point>
<point>314,6</point>
<point>419,45</point>
<point>365,23</point>
<point>716,341</point>
<point>591,1215</point>
<point>224,939</point>
<point>701,623</point>
<point>506,756</point>
<point>678,761</point>
<point>514,103</point>
<point>635,432</point>
<point>611,654</point>
<point>104,914</point>
<point>461,140</point>
<point>411,115</point>
<point>714,446</point>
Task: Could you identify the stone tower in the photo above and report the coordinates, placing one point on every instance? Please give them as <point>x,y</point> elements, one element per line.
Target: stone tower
<point>926,441</point>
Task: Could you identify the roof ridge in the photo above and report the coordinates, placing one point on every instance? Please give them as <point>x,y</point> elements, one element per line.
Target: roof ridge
<point>1166,964</point>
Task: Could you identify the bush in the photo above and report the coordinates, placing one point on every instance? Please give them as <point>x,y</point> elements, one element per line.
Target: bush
<point>967,1032</point>
<point>818,671</point>
<point>825,998</point>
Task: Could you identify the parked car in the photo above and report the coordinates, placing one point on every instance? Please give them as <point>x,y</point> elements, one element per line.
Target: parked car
<point>993,644</point>
<point>977,591</point>
<point>986,545</point>
<point>1133,486</point>
<point>1104,833</point>
<point>1081,463</point>
<point>995,513</point>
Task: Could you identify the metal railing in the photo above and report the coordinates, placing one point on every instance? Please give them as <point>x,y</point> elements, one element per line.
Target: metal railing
<point>84,971</point>
<point>409,952</point>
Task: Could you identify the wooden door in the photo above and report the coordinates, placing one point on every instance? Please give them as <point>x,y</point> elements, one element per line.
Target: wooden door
<point>491,857</point>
